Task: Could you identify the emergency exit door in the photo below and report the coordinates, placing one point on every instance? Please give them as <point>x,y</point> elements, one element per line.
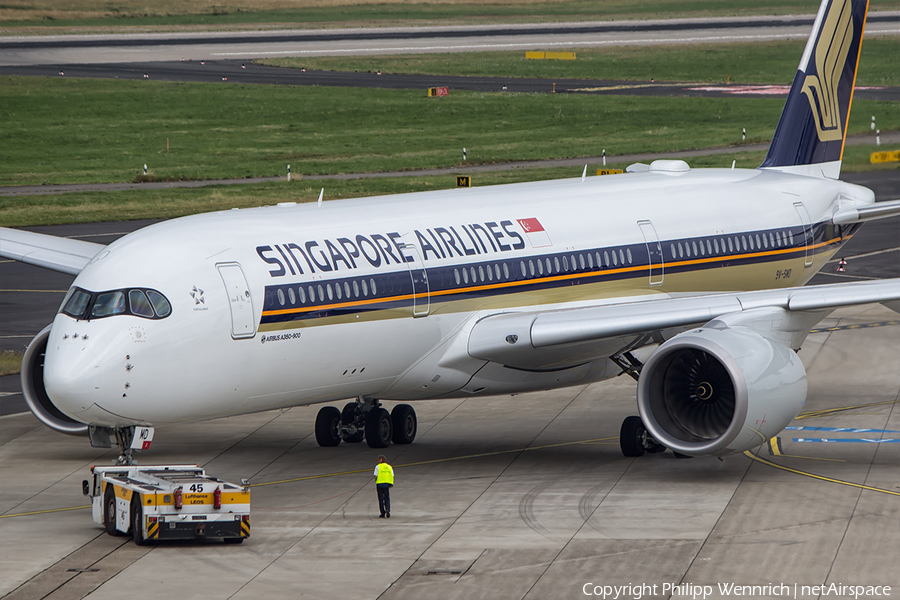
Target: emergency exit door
<point>655,252</point>
<point>243,325</point>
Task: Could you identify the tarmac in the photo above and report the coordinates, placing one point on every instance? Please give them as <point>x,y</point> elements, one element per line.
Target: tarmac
<point>523,496</point>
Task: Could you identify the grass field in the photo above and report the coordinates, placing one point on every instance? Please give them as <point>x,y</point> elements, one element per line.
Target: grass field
<point>768,62</point>
<point>72,131</point>
<point>52,16</point>
<point>143,204</point>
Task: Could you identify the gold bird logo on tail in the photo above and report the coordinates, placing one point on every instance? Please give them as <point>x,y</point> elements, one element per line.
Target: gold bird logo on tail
<point>831,53</point>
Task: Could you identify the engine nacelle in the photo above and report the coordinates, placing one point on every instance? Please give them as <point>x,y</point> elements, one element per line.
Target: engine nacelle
<point>36,394</point>
<point>719,391</point>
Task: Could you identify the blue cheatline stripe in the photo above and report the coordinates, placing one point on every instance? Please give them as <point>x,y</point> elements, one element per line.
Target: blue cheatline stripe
<point>841,429</point>
<point>509,275</point>
<point>846,440</point>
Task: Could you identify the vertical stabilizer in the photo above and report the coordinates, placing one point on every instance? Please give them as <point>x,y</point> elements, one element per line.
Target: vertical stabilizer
<point>810,136</point>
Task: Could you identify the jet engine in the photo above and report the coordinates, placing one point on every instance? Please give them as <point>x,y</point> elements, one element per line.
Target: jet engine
<point>36,394</point>
<point>717,391</point>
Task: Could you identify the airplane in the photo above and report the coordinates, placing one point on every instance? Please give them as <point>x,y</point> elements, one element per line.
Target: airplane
<point>688,280</point>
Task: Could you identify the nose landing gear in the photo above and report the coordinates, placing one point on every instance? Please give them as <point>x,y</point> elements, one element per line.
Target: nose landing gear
<point>366,419</point>
<point>124,438</point>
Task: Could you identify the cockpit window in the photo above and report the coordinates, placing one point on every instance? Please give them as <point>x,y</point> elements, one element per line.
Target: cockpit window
<point>160,304</point>
<point>140,306</point>
<point>148,304</point>
<point>108,304</point>
<point>76,303</point>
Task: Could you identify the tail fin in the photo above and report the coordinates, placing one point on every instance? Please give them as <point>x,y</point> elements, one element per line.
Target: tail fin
<point>810,136</point>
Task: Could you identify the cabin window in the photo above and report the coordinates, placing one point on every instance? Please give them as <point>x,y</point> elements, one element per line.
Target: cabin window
<point>292,296</point>
<point>615,259</point>
<point>556,262</point>
<point>365,287</point>
<point>531,267</point>
<point>599,264</point>
<point>606,258</point>
<point>329,291</point>
<point>744,242</point>
<point>372,285</point>
<point>628,254</point>
<point>465,275</point>
<point>456,276</point>
<point>280,294</point>
<point>672,251</point>
<point>716,245</point>
<point>472,270</point>
<point>321,293</point>
<point>540,267</point>
<point>522,265</point>
<point>581,260</point>
<point>302,295</point>
<point>758,245</point>
<point>497,271</point>
<point>337,291</point>
<point>590,261</point>
<point>490,273</point>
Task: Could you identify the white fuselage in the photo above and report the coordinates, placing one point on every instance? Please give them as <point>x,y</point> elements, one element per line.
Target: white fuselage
<point>466,253</point>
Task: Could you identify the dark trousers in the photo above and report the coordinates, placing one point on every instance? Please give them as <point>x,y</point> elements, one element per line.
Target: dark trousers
<point>384,498</point>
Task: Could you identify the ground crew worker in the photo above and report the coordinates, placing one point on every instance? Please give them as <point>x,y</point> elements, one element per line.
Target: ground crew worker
<point>384,481</point>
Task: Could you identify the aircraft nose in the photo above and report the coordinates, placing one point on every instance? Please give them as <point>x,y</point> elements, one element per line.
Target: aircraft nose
<point>72,377</point>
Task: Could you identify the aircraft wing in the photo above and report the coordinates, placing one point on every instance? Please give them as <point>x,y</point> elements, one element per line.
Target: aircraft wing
<point>47,251</point>
<point>527,339</point>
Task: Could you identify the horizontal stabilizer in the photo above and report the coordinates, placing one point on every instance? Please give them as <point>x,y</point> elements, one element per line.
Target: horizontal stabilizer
<point>47,251</point>
<point>871,212</point>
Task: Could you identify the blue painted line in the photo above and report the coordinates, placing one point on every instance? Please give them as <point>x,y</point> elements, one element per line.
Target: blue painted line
<point>843,440</point>
<point>841,429</point>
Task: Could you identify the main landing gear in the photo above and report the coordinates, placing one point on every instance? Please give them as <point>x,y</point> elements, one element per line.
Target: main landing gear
<point>366,419</point>
<point>635,440</point>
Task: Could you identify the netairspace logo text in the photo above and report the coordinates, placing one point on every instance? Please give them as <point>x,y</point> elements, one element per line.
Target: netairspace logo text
<point>701,592</point>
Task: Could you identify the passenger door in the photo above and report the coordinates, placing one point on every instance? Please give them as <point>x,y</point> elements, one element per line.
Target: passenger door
<point>654,249</point>
<point>421,296</point>
<point>243,324</point>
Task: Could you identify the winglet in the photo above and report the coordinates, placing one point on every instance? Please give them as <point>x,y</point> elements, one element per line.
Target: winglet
<point>809,139</point>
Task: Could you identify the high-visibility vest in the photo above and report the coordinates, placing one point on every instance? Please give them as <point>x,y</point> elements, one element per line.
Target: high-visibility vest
<point>385,474</point>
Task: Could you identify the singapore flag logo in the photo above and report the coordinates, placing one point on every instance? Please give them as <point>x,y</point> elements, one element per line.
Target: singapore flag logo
<point>535,232</point>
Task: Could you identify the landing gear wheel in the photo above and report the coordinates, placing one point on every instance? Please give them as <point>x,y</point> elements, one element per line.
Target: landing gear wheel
<point>653,447</point>
<point>378,428</point>
<point>328,426</point>
<point>631,437</point>
<point>109,514</point>
<point>348,419</point>
<point>137,523</point>
<point>403,419</point>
